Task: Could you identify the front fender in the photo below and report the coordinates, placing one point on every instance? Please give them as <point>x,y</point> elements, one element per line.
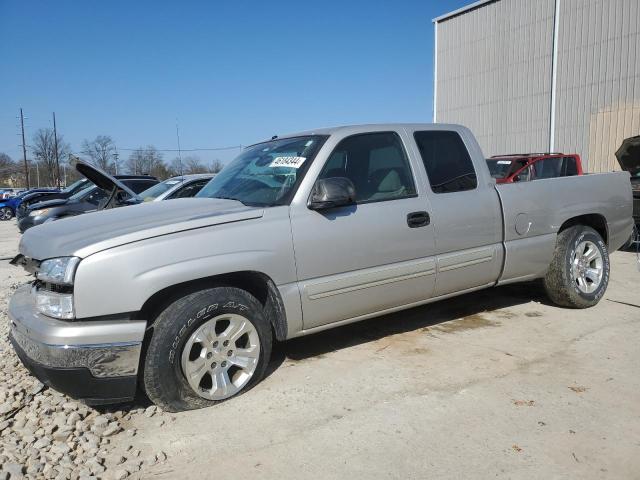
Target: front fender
<point>121,279</point>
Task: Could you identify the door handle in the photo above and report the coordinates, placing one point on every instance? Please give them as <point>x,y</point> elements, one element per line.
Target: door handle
<point>418,219</point>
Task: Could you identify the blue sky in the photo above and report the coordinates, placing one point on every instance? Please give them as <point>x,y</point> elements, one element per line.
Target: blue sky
<point>230,72</point>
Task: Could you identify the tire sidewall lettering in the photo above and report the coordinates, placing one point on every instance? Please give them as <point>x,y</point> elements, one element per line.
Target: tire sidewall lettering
<point>201,316</point>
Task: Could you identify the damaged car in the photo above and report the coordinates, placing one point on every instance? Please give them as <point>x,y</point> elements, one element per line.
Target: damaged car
<point>628,156</point>
<point>100,191</point>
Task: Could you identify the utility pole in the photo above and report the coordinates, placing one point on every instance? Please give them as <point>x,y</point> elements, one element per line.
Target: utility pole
<point>179,152</point>
<point>55,141</point>
<point>115,160</point>
<point>24,151</point>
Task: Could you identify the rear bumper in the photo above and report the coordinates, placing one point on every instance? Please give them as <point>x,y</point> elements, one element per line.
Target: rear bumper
<point>95,361</point>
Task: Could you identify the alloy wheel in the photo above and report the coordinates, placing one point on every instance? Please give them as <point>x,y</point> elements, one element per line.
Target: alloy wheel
<point>587,267</point>
<point>220,356</point>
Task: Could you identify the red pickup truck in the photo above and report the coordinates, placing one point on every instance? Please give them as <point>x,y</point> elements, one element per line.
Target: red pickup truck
<point>522,167</point>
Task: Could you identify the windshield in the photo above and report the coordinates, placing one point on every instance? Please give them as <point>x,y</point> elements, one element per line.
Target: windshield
<point>83,192</point>
<point>265,174</point>
<point>76,186</point>
<point>158,189</point>
<point>499,168</point>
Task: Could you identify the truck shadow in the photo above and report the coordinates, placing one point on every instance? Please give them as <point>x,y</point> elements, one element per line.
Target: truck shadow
<point>465,309</point>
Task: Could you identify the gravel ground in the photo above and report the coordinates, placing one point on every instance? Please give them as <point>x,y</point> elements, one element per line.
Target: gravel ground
<point>44,434</point>
<point>496,384</point>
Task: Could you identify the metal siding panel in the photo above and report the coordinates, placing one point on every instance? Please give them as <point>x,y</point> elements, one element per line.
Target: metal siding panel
<point>494,73</point>
<point>598,90</point>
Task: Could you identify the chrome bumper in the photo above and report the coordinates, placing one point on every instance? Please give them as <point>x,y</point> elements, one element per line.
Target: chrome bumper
<point>107,348</point>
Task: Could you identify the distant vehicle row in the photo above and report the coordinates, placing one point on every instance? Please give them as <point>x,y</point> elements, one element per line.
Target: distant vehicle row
<point>96,191</point>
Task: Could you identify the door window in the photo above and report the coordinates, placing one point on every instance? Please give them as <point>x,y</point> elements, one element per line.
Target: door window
<point>548,168</point>
<point>377,165</point>
<point>570,166</point>
<point>447,161</point>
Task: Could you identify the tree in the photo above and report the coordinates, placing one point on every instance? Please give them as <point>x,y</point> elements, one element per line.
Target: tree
<point>147,160</point>
<point>216,166</point>
<point>9,170</point>
<point>193,165</point>
<point>101,151</point>
<point>44,151</point>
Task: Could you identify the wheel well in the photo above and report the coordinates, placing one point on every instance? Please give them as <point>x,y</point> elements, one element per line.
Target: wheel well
<point>256,283</point>
<point>594,220</point>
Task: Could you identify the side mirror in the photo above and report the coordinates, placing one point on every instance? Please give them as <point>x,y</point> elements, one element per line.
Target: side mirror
<point>332,192</point>
<point>517,178</point>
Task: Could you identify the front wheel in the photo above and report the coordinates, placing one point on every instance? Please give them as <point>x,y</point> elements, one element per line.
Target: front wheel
<point>6,213</point>
<point>579,272</point>
<point>206,347</point>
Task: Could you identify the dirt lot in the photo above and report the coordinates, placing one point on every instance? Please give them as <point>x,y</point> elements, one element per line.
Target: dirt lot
<point>494,384</point>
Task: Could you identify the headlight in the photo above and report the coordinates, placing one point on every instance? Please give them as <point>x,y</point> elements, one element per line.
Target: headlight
<point>37,213</point>
<point>56,305</point>
<point>58,270</point>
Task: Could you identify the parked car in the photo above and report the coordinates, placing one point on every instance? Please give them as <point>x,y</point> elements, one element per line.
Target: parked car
<point>6,193</point>
<point>36,197</point>
<point>9,206</point>
<point>522,167</point>
<point>184,186</point>
<point>137,183</point>
<point>97,195</point>
<point>298,234</point>
<point>628,156</point>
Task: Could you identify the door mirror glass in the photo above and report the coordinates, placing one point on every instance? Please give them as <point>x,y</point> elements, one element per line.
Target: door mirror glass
<point>332,192</point>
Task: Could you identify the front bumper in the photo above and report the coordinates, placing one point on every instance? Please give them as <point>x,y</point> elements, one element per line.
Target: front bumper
<point>95,361</point>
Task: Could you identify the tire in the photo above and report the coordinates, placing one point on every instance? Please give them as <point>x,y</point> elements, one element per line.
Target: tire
<point>189,337</point>
<point>6,213</point>
<point>579,272</point>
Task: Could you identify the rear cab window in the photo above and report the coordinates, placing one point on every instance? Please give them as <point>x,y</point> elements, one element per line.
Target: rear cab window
<point>446,160</point>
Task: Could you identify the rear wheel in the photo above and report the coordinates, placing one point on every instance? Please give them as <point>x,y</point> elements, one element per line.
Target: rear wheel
<point>206,347</point>
<point>6,213</point>
<point>579,272</point>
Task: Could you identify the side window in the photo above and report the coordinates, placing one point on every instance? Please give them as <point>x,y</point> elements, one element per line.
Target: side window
<point>377,165</point>
<point>190,190</point>
<point>548,168</point>
<point>525,175</point>
<point>446,160</point>
<point>570,166</point>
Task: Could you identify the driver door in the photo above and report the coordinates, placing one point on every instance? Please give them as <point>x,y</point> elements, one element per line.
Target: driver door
<point>356,260</point>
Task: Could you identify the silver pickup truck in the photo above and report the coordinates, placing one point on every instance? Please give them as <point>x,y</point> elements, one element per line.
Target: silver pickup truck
<point>298,234</point>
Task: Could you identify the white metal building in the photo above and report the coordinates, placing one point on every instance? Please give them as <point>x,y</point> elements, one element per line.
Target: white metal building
<point>542,75</point>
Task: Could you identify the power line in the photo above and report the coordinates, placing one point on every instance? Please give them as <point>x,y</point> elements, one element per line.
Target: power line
<point>234,147</point>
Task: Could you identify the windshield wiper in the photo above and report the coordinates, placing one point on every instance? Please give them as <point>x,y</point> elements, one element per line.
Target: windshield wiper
<point>229,198</point>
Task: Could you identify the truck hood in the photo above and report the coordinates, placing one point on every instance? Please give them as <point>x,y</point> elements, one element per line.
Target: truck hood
<point>87,234</point>
<point>99,177</point>
<point>628,155</point>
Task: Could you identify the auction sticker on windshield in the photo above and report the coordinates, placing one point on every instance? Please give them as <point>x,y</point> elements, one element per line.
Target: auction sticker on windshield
<point>292,162</point>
